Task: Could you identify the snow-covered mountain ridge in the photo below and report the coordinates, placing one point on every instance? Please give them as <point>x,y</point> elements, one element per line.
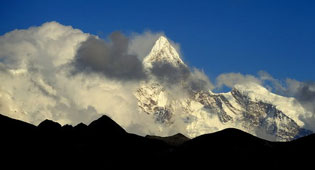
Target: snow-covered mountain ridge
<point>249,107</point>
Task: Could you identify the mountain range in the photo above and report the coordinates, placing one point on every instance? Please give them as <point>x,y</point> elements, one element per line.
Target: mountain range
<point>167,97</point>
<point>248,106</point>
<point>103,144</point>
<point>245,127</point>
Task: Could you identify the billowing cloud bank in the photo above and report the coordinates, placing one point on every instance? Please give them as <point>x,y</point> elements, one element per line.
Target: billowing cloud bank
<point>60,73</point>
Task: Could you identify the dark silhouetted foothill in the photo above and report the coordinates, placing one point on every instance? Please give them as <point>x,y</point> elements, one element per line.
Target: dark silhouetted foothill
<point>80,126</point>
<point>49,125</point>
<point>175,140</point>
<point>13,124</point>
<point>104,144</point>
<point>106,125</point>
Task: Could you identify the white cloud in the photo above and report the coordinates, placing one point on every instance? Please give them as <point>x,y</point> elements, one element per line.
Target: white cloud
<point>231,79</point>
<point>37,83</point>
<point>200,79</point>
<point>39,86</point>
<point>32,60</point>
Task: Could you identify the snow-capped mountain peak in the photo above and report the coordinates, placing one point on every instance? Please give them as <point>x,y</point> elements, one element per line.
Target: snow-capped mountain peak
<point>163,51</point>
<point>248,106</point>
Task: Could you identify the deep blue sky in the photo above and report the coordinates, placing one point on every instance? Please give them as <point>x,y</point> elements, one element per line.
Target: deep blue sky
<point>217,36</point>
